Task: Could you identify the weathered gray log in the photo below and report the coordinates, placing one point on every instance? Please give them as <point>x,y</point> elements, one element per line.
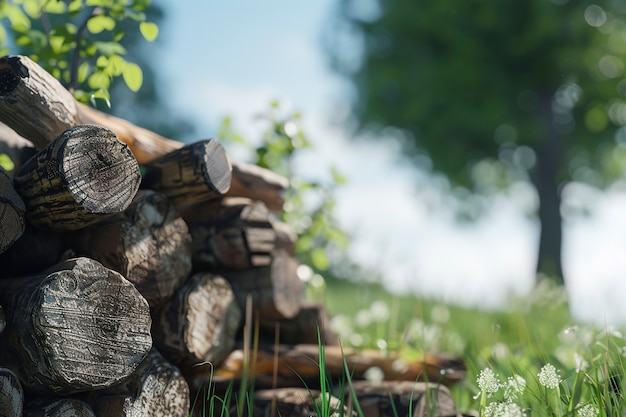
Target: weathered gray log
<point>286,237</point>
<point>199,324</point>
<point>12,212</point>
<point>64,407</point>
<point>149,244</point>
<point>34,103</point>
<point>393,398</point>
<point>11,394</point>
<point>34,251</point>
<point>80,178</point>
<point>256,183</point>
<point>230,233</point>
<point>156,388</point>
<point>276,290</point>
<point>303,328</point>
<point>78,327</point>
<point>196,172</point>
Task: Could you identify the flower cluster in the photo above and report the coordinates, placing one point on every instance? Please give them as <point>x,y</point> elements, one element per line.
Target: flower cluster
<point>489,384</point>
<point>549,377</point>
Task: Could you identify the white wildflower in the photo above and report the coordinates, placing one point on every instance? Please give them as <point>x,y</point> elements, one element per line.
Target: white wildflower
<point>549,377</point>
<point>497,409</point>
<point>514,387</point>
<point>581,363</point>
<point>380,311</point>
<point>374,375</point>
<point>588,410</point>
<point>488,381</point>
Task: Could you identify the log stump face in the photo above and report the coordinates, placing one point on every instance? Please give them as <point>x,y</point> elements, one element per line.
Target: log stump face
<point>83,327</point>
<point>82,175</point>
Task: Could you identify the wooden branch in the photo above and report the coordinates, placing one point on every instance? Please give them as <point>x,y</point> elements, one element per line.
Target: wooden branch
<point>24,79</point>
<point>64,407</point>
<point>81,177</point>
<point>12,212</point>
<point>196,172</point>
<point>75,328</point>
<point>232,232</point>
<point>276,289</point>
<point>149,244</point>
<point>156,388</point>
<point>34,103</point>
<point>11,394</point>
<point>199,324</point>
<point>302,361</point>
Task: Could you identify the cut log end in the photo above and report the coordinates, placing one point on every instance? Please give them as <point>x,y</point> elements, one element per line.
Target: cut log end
<point>11,394</point>
<point>216,166</point>
<point>83,327</point>
<point>93,163</point>
<point>11,73</point>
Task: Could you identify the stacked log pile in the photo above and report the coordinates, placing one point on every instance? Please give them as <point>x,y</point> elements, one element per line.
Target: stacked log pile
<point>128,262</point>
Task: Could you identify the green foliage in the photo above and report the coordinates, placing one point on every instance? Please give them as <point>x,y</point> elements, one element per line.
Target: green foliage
<point>309,205</point>
<point>78,41</point>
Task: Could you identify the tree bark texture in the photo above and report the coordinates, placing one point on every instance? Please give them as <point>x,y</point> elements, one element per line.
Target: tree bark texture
<point>256,183</point>
<point>11,394</point>
<point>149,244</point>
<point>12,212</point>
<point>64,407</point>
<point>231,232</point>
<point>196,172</point>
<point>156,388</point>
<point>78,327</point>
<point>33,102</point>
<point>199,324</point>
<point>549,156</point>
<point>276,289</point>
<point>79,179</point>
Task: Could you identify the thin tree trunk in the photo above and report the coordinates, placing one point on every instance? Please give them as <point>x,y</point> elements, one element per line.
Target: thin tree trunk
<point>549,154</point>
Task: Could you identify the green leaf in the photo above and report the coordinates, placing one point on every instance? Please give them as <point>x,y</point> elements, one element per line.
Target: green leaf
<point>109,48</point>
<point>99,23</point>
<point>55,7</point>
<point>103,95</point>
<point>19,21</point>
<point>319,259</point>
<point>6,162</point>
<point>149,30</point>
<point>133,76</point>
<point>116,65</point>
<point>83,72</point>
<point>56,43</point>
<point>75,6</point>
<point>99,81</point>
<point>33,9</point>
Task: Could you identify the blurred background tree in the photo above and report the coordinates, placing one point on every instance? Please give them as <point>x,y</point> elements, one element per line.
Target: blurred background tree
<point>489,92</point>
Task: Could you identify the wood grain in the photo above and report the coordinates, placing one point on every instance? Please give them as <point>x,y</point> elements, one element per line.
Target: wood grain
<point>12,212</point>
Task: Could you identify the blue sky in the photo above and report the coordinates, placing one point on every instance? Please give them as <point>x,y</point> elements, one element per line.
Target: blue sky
<point>237,56</point>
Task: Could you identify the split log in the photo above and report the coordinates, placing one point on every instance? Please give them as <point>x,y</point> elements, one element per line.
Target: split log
<point>81,177</point>
<point>232,232</point>
<point>196,172</point>
<point>33,102</point>
<point>276,289</point>
<point>65,407</point>
<point>12,212</point>
<point>393,398</point>
<point>11,394</point>
<point>156,388</point>
<point>34,251</point>
<point>78,327</point>
<point>301,363</point>
<point>198,325</point>
<point>149,244</point>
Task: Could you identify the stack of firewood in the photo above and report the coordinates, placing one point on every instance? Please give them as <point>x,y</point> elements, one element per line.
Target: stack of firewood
<point>135,271</point>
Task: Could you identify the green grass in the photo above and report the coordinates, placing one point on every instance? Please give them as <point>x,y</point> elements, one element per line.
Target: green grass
<point>533,332</point>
